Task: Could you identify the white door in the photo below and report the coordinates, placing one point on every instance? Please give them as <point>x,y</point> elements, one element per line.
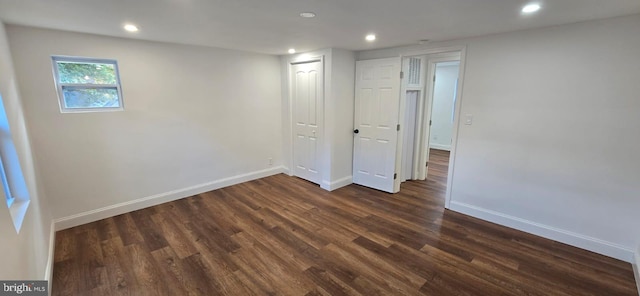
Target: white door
<point>307,97</point>
<point>376,121</point>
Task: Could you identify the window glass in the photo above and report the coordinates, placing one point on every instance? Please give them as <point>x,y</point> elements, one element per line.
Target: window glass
<point>87,84</point>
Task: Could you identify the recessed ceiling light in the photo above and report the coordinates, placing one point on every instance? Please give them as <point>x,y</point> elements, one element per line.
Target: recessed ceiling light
<point>131,28</point>
<point>307,14</point>
<point>370,37</point>
<point>292,50</point>
<point>531,8</point>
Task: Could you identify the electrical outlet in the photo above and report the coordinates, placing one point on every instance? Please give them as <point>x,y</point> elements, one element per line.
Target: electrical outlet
<point>270,161</point>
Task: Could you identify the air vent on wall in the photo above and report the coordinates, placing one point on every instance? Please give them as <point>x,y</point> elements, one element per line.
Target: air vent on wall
<point>413,79</point>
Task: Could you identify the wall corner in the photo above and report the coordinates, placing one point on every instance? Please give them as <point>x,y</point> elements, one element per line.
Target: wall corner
<point>48,273</point>
<point>636,268</point>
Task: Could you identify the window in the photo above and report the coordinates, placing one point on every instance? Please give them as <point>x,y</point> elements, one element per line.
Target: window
<point>15,191</point>
<point>5,142</point>
<point>86,84</point>
<point>5,184</point>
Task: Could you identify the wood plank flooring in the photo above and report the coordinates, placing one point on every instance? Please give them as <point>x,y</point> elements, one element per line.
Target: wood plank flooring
<point>284,236</point>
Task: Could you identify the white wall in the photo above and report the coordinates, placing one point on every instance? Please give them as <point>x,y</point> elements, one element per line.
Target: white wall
<point>339,87</point>
<point>341,115</point>
<point>442,110</point>
<point>193,116</point>
<point>636,268</point>
<point>25,255</point>
<point>553,145</point>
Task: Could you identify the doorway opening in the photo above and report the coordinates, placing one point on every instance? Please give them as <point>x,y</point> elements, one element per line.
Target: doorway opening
<point>428,113</point>
<point>442,119</point>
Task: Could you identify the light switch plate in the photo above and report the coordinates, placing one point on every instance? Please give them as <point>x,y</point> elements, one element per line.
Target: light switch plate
<point>468,119</point>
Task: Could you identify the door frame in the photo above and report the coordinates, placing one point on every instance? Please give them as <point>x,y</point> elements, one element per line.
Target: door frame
<point>405,60</point>
<point>321,128</point>
<point>427,110</point>
<point>462,50</point>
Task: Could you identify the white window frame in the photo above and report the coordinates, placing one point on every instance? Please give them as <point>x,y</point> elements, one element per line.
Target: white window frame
<point>14,191</point>
<point>82,60</point>
<point>9,199</point>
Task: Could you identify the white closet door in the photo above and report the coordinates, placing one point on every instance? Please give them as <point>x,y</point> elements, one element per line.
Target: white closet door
<point>307,96</point>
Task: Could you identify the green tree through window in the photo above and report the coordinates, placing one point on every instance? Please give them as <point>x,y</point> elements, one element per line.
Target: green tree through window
<point>87,73</point>
<point>87,84</point>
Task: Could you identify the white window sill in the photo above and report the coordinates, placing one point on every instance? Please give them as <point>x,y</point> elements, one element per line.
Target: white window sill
<point>10,201</point>
<point>18,210</point>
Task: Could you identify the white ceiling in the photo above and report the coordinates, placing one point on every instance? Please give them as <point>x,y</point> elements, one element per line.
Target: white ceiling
<point>273,26</point>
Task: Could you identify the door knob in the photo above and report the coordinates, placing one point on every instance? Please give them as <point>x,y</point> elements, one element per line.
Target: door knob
<point>356,131</point>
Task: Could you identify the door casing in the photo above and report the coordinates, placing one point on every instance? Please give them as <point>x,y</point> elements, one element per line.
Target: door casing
<point>424,108</point>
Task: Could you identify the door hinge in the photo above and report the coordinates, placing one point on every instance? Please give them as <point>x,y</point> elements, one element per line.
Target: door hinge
<point>434,78</point>
<point>427,164</point>
<point>401,74</point>
<point>398,127</point>
<point>395,176</point>
<point>430,122</point>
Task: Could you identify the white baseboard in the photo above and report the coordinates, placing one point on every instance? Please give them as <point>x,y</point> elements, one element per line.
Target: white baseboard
<point>48,272</point>
<point>346,181</point>
<point>141,203</point>
<point>330,186</point>
<point>286,171</point>
<point>571,238</point>
<point>440,147</point>
<point>636,269</point>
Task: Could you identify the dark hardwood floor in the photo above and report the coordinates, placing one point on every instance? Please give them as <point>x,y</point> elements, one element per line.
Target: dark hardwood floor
<point>284,236</point>
<point>438,168</point>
